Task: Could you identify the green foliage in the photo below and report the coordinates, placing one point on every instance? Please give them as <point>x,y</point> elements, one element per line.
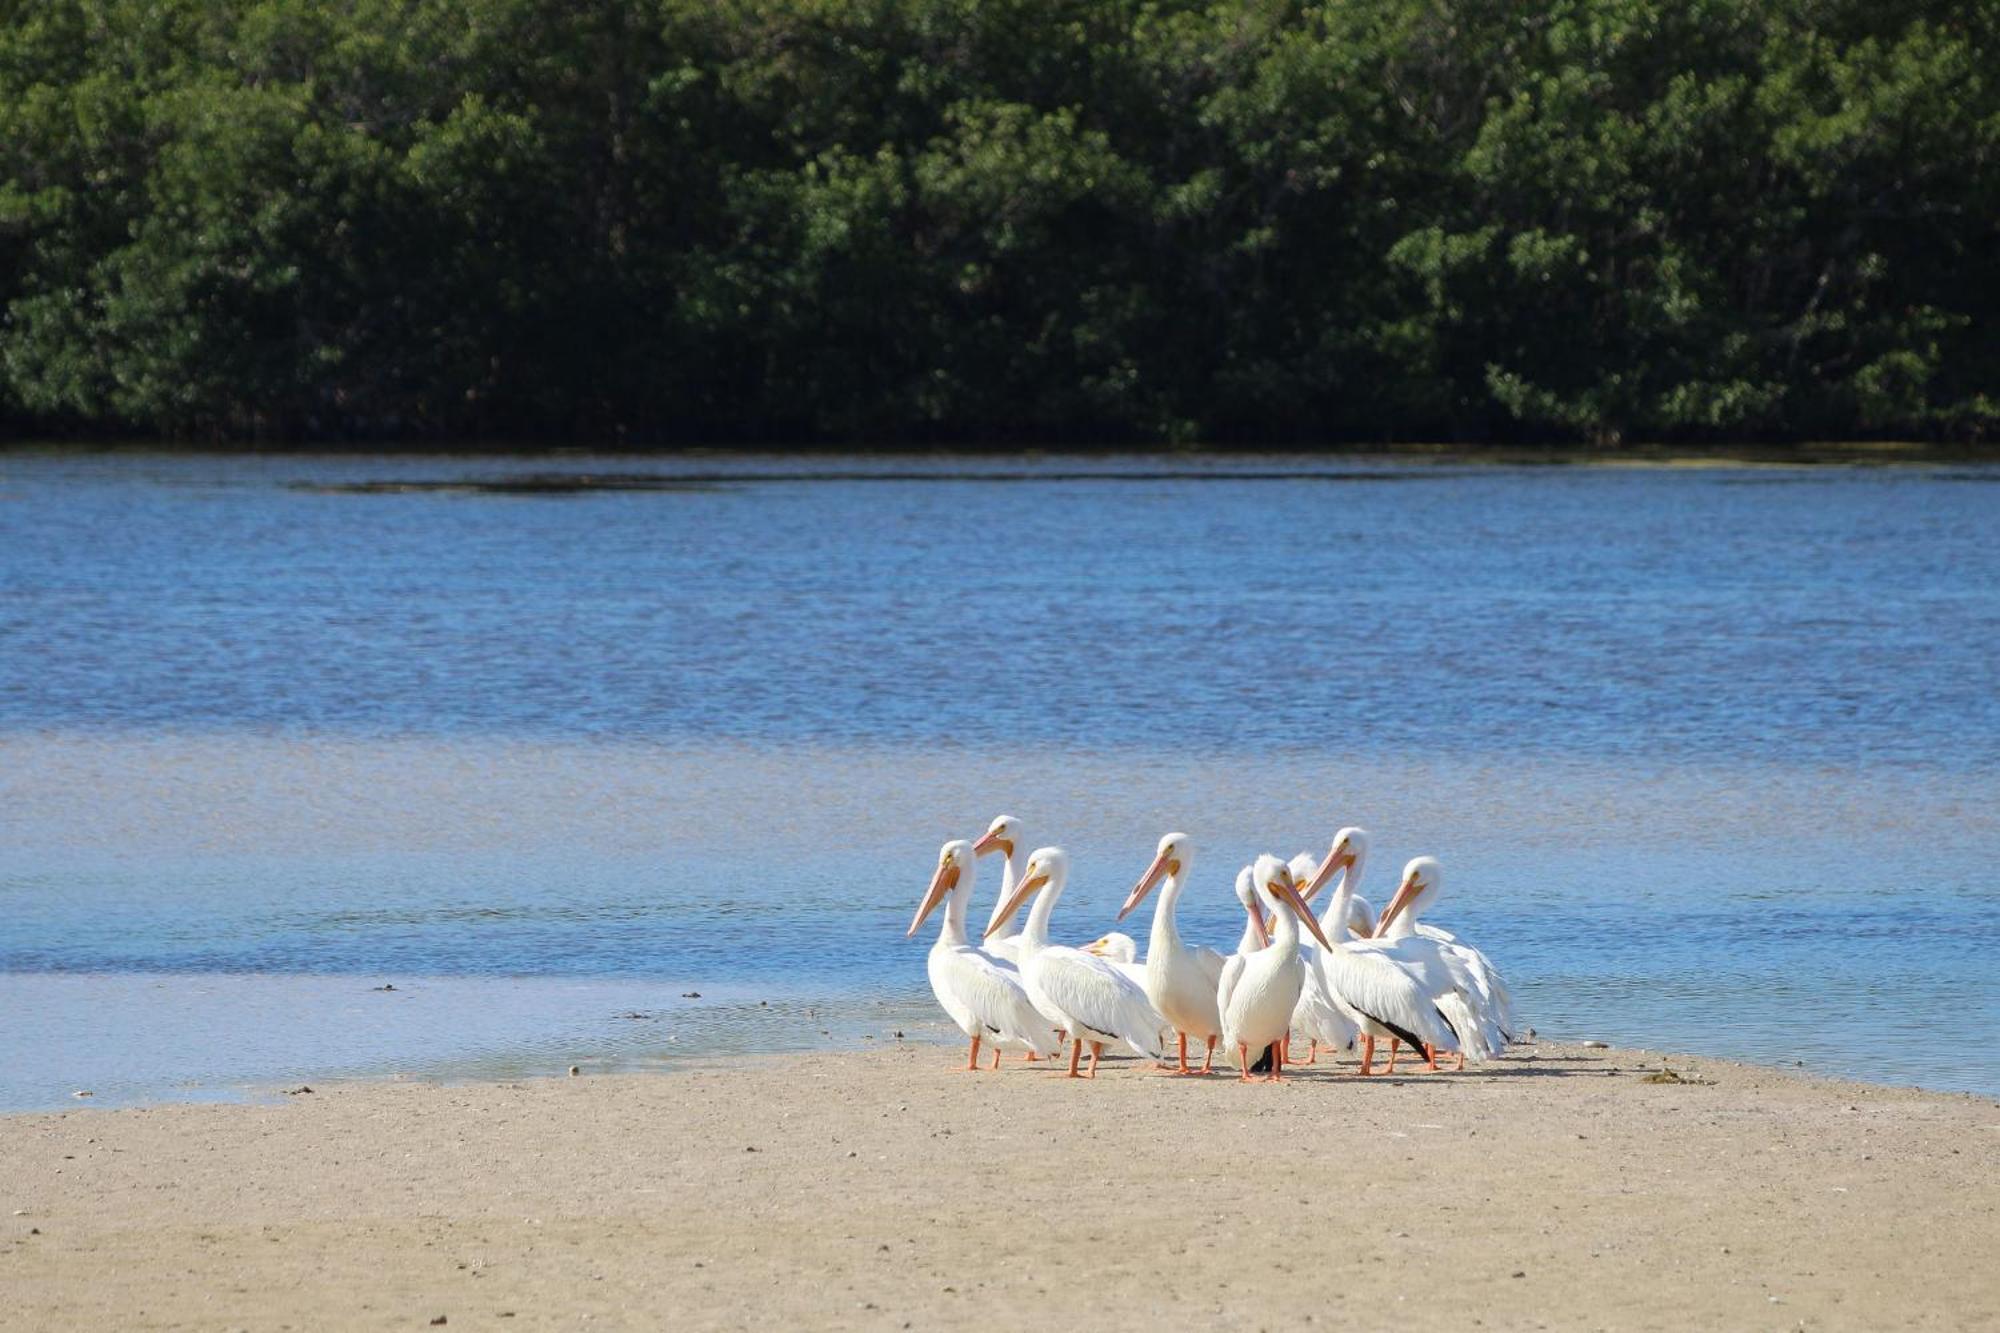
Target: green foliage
<point>944,219</point>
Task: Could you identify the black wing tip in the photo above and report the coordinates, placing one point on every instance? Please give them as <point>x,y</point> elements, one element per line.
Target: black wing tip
<point>1402,1034</point>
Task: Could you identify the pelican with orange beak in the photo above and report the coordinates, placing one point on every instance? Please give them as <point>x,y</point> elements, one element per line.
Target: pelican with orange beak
<point>1003,835</point>
<point>1492,987</point>
<point>1256,935</point>
<point>1324,1022</point>
<point>1180,981</point>
<point>982,994</point>
<point>1458,979</point>
<point>1258,1011</point>
<point>1084,995</point>
<point>1383,997</point>
<point>1360,922</point>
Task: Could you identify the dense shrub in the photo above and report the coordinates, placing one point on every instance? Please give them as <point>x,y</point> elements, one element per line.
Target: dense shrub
<point>952,219</point>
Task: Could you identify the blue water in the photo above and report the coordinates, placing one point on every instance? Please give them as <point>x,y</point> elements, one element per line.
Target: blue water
<point>1712,757</point>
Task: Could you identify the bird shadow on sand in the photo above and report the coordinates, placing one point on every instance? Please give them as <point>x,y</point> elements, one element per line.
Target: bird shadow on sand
<point>1541,1066</point>
<point>1560,1066</point>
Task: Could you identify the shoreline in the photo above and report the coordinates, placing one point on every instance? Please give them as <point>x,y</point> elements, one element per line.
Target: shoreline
<point>1805,454</point>
<point>927,1032</point>
<point>866,1188</point>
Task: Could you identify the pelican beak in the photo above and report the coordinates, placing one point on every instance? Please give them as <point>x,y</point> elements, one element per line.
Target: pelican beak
<point>942,883</point>
<point>1023,891</point>
<point>1154,874</point>
<point>1334,863</point>
<point>1288,894</point>
<point>1405,895</point>
<point>1258,928</point>
<point>989,840</point>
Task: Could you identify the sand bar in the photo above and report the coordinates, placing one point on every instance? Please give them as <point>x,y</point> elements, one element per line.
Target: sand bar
<point>886,1189</point>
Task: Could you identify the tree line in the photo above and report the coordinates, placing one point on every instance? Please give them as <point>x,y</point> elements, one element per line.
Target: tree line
<point>1034,220</point>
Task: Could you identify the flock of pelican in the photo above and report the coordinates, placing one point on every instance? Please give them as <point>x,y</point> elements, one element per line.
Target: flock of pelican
<point>1343,979</point>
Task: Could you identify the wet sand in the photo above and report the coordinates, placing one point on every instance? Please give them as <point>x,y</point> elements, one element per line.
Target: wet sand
<point>1558,1188</point>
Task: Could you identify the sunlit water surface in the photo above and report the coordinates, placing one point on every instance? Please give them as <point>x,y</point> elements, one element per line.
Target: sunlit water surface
<point>301,782</point>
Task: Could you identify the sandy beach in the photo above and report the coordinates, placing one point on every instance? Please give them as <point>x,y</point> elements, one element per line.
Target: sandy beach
<point>887,1189</point>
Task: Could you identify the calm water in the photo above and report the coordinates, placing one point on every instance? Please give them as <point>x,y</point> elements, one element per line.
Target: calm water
<point>1712,757</point>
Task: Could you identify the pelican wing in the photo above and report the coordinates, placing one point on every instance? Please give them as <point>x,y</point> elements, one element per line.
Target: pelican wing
<point>1007,949</point>
<point>1132,972</point>
<point>992,992</point>
<point>1442,972</point>
<point>1101,997</point>
<point>1225,980</point>
<point>1318,1016</point>
<point>1211,963</point>
<point>1486,977</point>
<point>1369,985</point>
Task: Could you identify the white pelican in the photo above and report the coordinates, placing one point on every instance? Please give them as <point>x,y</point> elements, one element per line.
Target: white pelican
<point>1116,946</point>
<point>1181,982</point>
<point>1259,1009</point>
<point>1385,998</point>
<point>1360,923</point>
<point>1492,986</point>
<point>1002,938</point>
<point>1255,936</point>
<point>1457,977</point>
<point>1323,1021</point>
<point>983,995</point>
<point>1084,995</point>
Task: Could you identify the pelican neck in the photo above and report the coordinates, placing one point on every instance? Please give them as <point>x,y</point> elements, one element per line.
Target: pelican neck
<point>952,934</point>
<point>1010,875</point>
<point>1166,929</point>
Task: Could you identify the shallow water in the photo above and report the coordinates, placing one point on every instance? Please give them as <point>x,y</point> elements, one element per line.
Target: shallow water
<point>1710,756</point>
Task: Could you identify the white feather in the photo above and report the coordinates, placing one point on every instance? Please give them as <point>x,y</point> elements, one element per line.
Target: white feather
<point>987,998</point>
<point>1089,998</point>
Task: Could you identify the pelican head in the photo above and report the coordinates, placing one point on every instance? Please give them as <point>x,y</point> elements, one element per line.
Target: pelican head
<point>1170,861</point>
<point>1047,868</point>
<point>1000,836</point>
<point>1303,868</point>
<point>1422,879</point>
<point>1118,948</point>
<point>1349,846</point>
<point>1274,883</point>
<point>954,865</point>
<point>1246,893</point>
